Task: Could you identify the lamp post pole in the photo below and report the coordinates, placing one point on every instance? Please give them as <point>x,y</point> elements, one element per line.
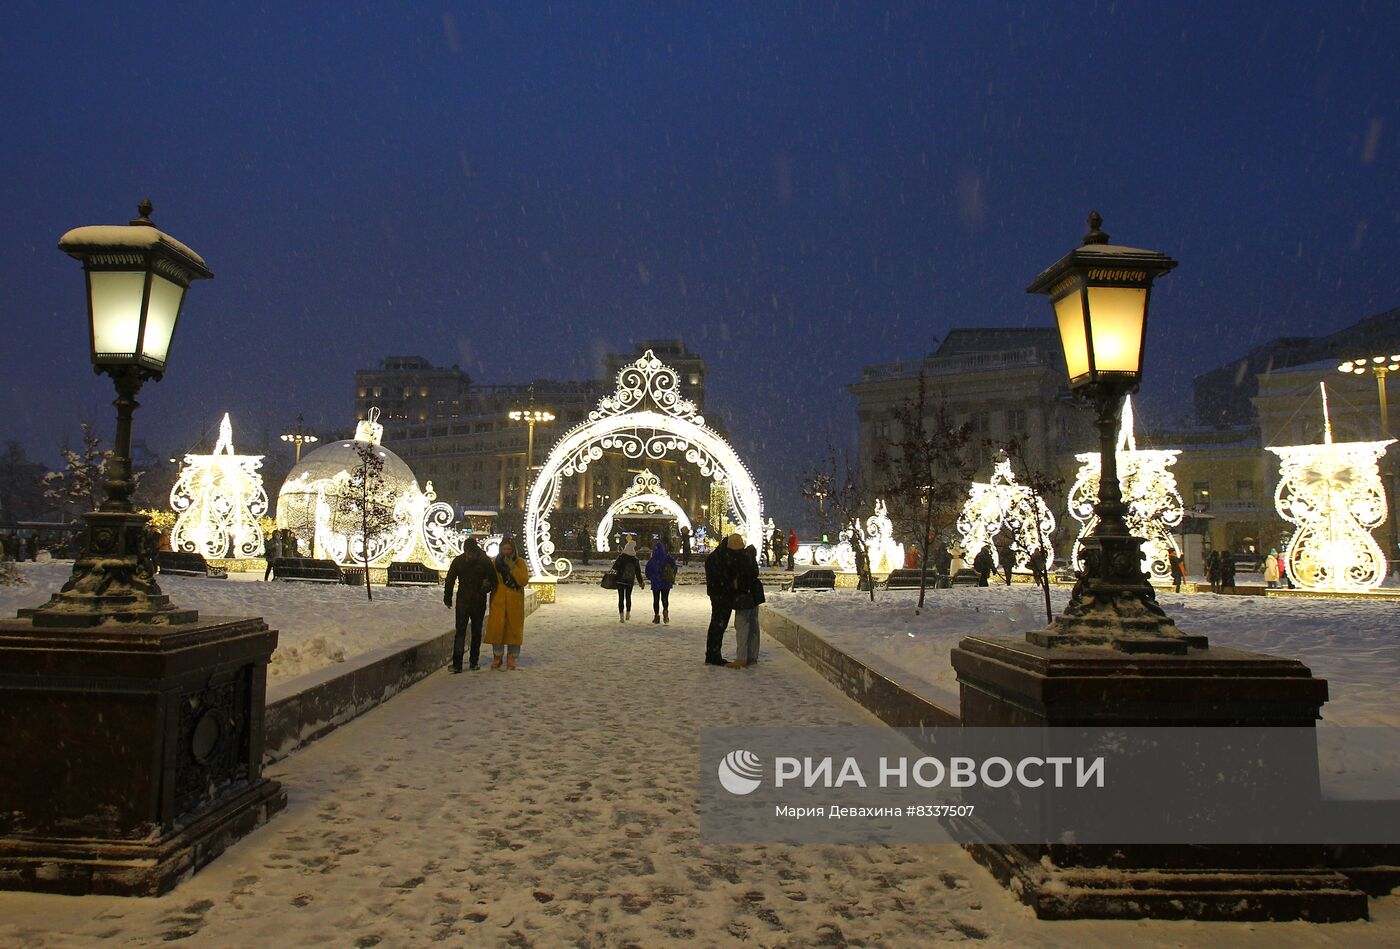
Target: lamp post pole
<point>299,436</point>
<point>1100,294</point>
<point>531,416</point>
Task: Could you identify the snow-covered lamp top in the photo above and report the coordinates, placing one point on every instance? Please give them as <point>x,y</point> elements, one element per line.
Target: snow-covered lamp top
<point>136,276</point>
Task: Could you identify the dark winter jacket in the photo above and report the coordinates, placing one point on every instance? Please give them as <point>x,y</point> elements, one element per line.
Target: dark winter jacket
<point>983,562</point>
<point>655,567</point>
<point>719,571</point>
<point>475,578</point>
<point>744,578</point>
<point>628,569</point>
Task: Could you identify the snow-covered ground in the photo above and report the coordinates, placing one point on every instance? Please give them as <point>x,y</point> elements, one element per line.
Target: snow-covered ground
<point>318,624</point>
<point>1353,644</point>
<point>556,806</point>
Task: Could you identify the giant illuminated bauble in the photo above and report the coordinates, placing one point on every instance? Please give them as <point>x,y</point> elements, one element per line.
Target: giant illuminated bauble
<point>422,529</point>
<point>1149,493</point>
<point>1333,492</point>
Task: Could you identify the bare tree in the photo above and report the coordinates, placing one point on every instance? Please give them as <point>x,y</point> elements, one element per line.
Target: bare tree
<point>365,506</point>
<point>928,468</point>
<point>839,492</point>
<point>74,490</point>
<point>1046,490</point>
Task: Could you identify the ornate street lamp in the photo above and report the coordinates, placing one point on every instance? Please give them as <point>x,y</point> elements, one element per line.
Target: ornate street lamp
<point>531,416</point>
<point>149,720</point>
<point>299,436</point>
<point>1380,367</point>
<point>137,276</point>
<point>1100,292</point>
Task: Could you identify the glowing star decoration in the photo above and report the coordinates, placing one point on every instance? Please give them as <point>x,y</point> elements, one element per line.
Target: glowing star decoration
<point>1333,492</point>
<point>645,496</point>
<point>218,500</point>
<point>1003,505</point>
<point>420,529</point>
<point>645,418</point>
<point>1149,491</point>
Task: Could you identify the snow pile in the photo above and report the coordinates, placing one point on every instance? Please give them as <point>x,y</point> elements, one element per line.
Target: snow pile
<point>319,624</point>
<point>1353,644</point>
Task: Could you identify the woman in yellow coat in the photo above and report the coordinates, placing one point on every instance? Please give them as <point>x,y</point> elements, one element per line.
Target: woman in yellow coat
<point>505,625</point>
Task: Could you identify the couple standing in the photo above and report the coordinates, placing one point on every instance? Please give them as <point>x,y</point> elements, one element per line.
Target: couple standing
<point>732,583</point>
<point>660,571</point>
<point>502,581</point>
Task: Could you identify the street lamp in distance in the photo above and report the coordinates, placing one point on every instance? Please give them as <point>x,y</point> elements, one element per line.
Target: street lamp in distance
<point>299,436</point>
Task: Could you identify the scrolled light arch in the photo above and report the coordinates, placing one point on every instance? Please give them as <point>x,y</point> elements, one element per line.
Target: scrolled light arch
<point>621,424</point>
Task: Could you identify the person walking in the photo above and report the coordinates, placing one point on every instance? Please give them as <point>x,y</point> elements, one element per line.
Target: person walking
<point>792,550</point>
<point>586,543</point>
<point>505,623</point>
<point>629,571</point>
<point>983,564</point>
<point>1177,568</point>
<point>661,571</point>
<point>475,578</point>
<point>1227,570</point>
<point>272,551</point>
<point>719,587</point>
<point>685,548</point>
<point>1006,557</point>
<point>1038,565</point>
<point>1213,570</point>
<point>1271,572</point>
<point>778,544</point>
<point>748,594</point>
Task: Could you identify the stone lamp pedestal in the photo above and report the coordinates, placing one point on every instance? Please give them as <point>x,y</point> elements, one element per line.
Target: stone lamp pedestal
<point>1005,682</point>
<point>132,752</point>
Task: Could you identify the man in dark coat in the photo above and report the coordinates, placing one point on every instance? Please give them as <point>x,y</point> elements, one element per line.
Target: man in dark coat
<point>719,586</point>
<point>685,546</point>
<point>983,564</point>
<point>1006,556</point>
<point>1227,571</point>
<point>475,577</point>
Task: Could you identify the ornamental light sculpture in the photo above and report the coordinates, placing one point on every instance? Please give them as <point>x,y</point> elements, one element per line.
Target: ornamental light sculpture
<point>1100,293</point>
<point>299,436</point>
<point>1333,493</point>
<point>137,276</point>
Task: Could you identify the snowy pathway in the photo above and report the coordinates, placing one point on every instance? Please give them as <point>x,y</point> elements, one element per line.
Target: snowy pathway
<point>556,806</point>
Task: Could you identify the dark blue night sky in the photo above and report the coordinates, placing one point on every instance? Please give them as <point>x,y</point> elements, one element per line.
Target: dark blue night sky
<point>797,190</point>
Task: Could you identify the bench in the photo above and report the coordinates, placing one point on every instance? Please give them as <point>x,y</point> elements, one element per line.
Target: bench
<point>180,563</point>
<point>965,578</point>
<point>306,570</point>
<point>815,580</point>
<point>907,579</point>
<point>404,574</point>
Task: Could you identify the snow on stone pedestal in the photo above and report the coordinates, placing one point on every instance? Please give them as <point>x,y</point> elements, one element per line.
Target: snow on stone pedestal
<point>1333,492</point>
<point>1149,492</point>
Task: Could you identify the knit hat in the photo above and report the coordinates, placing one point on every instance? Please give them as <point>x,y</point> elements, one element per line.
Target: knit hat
<point>735,542</point>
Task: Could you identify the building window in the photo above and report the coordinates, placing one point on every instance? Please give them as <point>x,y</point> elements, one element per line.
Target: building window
<point>423,392</point>
<point>378,391</point>
<point>1200,494</point>
<point>1244,488</point>
<point>1015,421</point>
<point>981,422</point>
<point>363,390</point>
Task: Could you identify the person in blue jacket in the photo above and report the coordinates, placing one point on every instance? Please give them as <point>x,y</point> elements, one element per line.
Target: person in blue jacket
<point>661,573</point>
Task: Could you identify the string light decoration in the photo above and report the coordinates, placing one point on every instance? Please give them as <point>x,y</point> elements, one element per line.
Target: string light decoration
<point>877,533</point>
<point>1333,493</point>
<point>645,418</point>
<point>645,496</point>
<point>218,500</point>
<point>1149,491</point>
<point>1001,504</point>
<point>422,530</point>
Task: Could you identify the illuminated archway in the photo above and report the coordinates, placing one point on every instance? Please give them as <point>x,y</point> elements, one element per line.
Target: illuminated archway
<point>671,425</point>
<point>646,496</point>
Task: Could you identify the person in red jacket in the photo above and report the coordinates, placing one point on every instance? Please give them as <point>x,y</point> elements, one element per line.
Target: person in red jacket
<point>792,547</point>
